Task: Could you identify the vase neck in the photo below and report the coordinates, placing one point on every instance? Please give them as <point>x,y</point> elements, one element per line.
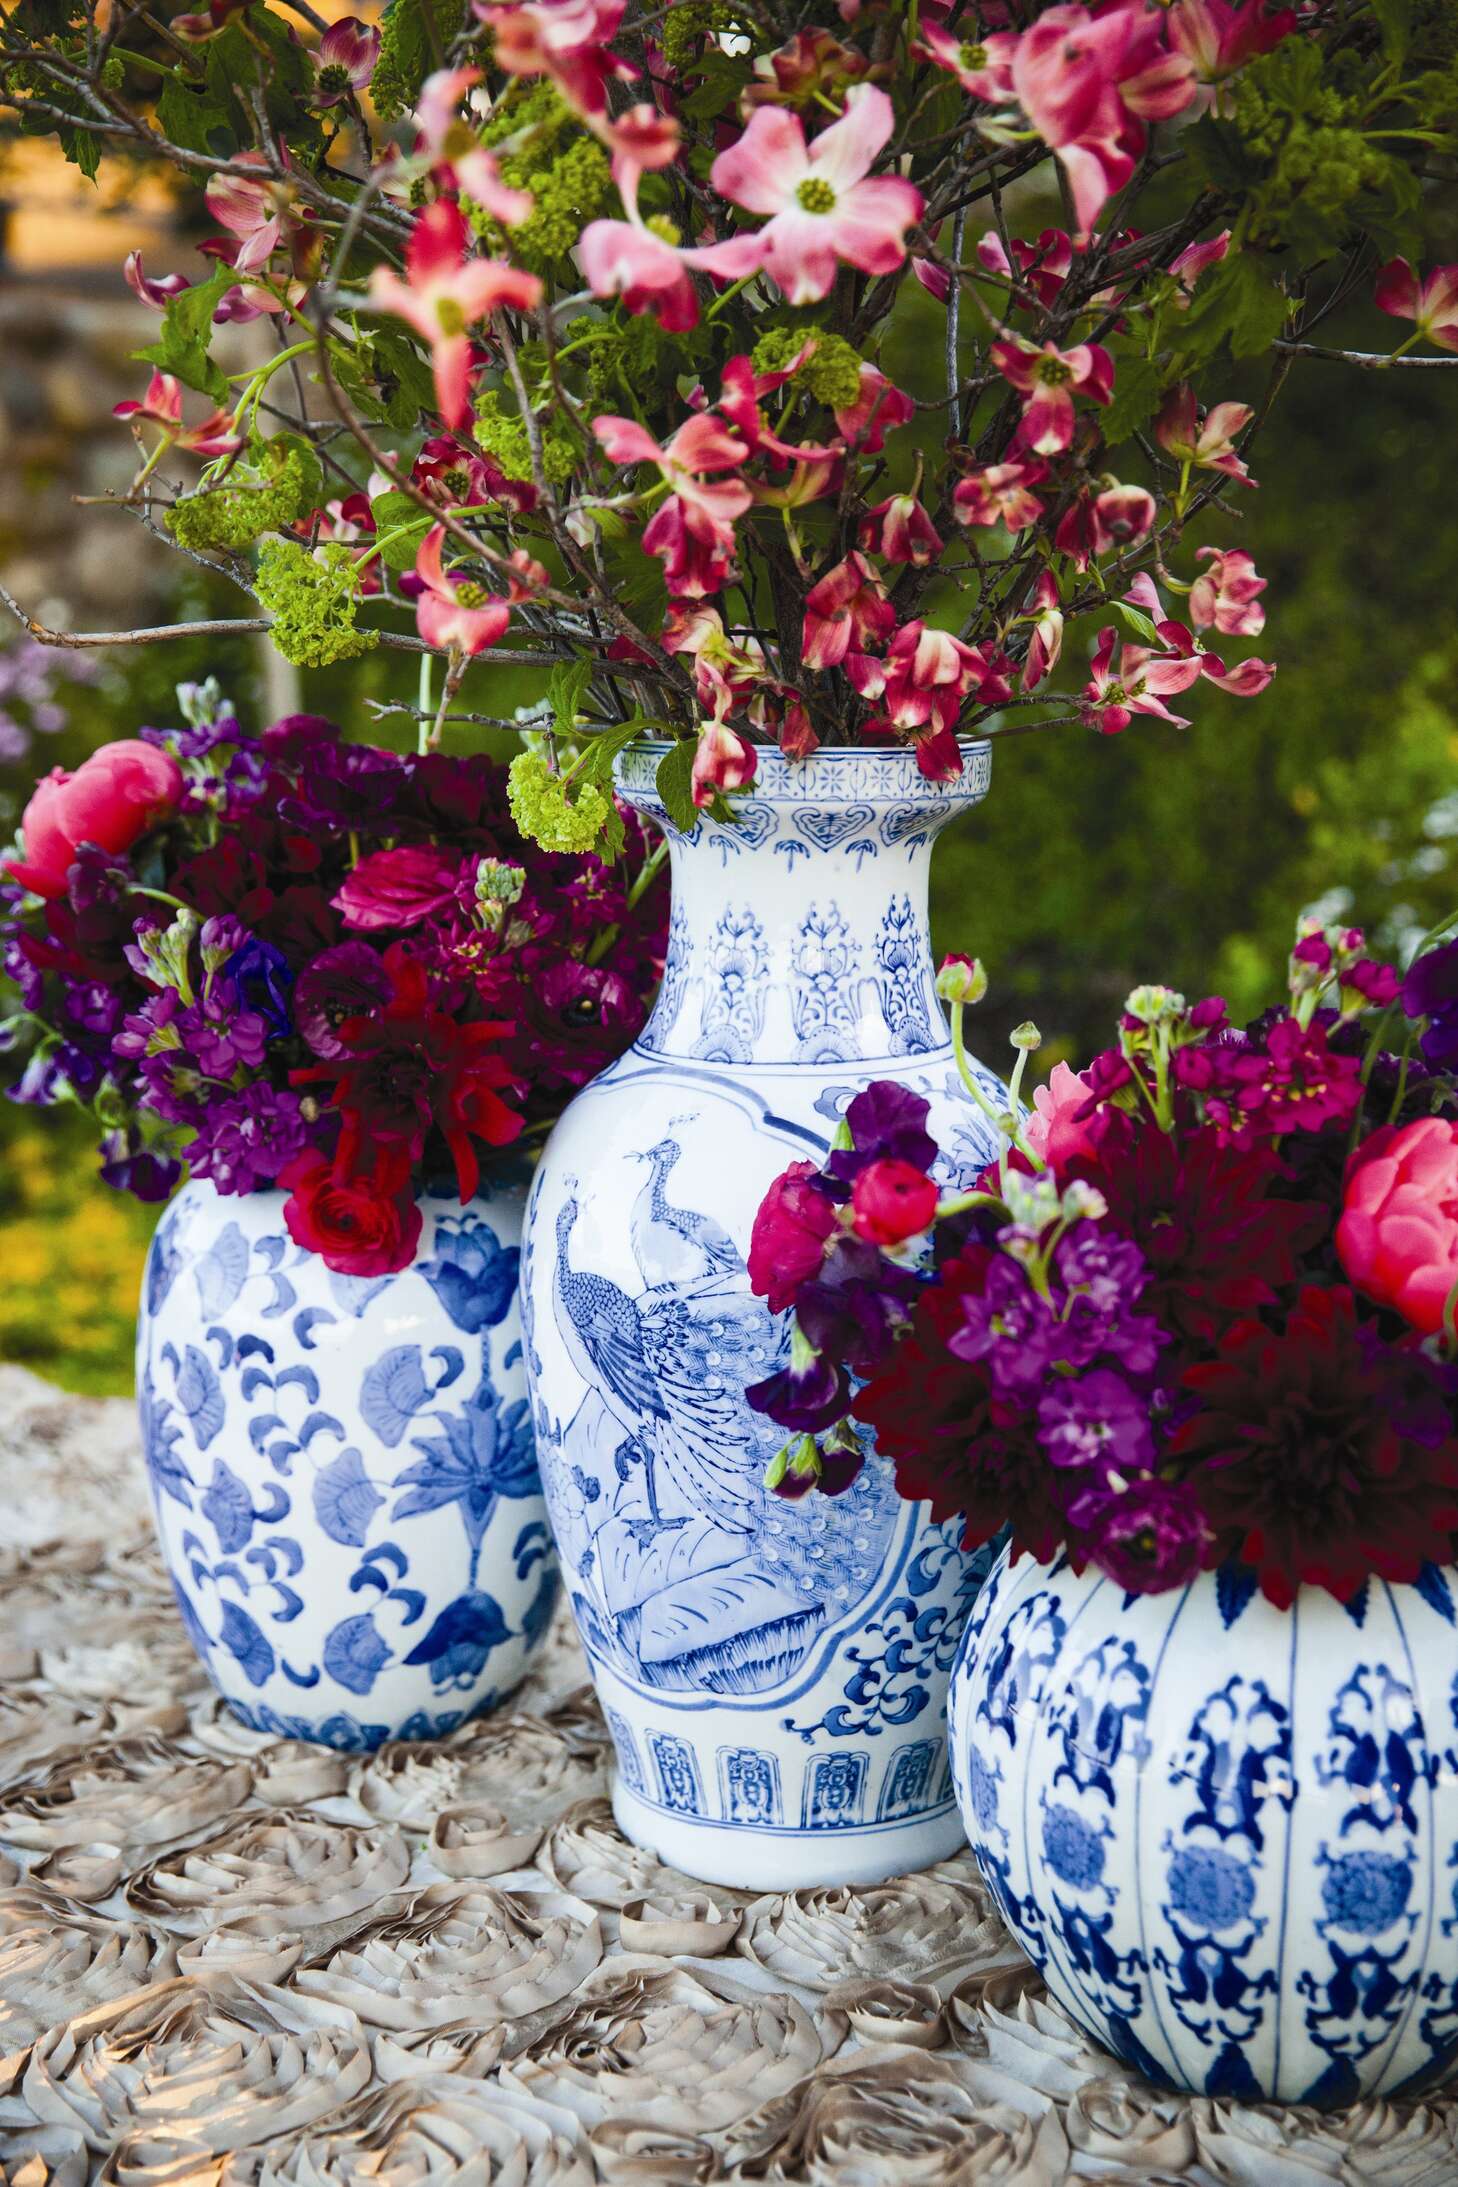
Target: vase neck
<point>799,934</point>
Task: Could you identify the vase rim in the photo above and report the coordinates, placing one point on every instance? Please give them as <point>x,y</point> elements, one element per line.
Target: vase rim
<point>832,771</point>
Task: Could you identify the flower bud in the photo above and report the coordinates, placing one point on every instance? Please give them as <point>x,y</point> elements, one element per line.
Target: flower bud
<point>1154,1005</point>
<point>167,951</point>
<point>201,704</point>
<point>961,979</point>
<point>1026,1036</point>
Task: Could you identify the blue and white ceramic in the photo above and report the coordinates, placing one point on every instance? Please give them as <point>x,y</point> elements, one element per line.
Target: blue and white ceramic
<point>774,1674</point>
<point>342,1468</point>
<point>1226,1834</point>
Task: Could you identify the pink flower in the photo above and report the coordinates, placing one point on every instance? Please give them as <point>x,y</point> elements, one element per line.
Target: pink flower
<point>983,68</point>
<point>900,529</point>
<point>877,410</point>
<point>726,671</point>
<point>1217,39</point>
<point>741,398</point>
<point>1245,681</point>
<point>444,293</point>
<point>398,888</point>
<point>1398,1238</point>
<point>564,39</point>
<point>454,613</point>
<point>345,60</point>
<point>823,204</point>
<point>1046,642</point>
<point>1432,304</point>
<point>1209,446</point>
<point>787,1245</point>
<point>1041,268</point>
<point>1087,81</point>
<point>261,215</point>
<point>1122,515</point>
<point>162,406</point>
<point>1143,680</point>
<point>1058,1128</point>
<point>1194,261</point>
<point>1046,379</point>
<point>812,61</point>
<point>893,1201</point>
<point>113,799</point>
<point>454,153</point>
<point>847,609</point>
<point>644,264</point>
<point>998,494</point>
<point>351,523</point>
<point>158,293</point>
<point>693,533</point>
<point>724,760</point>
<point>1226,596</point>
<point>925,679</point>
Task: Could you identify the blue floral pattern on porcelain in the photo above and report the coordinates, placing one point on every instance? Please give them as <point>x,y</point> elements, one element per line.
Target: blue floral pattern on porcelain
<point>343,1470</point>
<point>774,1674</point>
<point>1227,1835</point>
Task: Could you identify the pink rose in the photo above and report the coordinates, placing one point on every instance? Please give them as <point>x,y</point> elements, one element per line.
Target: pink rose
<point>398,888</point>
<point>893,1201</point>
<point>790,1232</point>
<point>1398,1234</point>
<point>113,798</point>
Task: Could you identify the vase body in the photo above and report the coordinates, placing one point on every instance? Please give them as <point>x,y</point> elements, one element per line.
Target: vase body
<point>774,1674</point>
<point>1226,1834</point>
<point>342,1467</point>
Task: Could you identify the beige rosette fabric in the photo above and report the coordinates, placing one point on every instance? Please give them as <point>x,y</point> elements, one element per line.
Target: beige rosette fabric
<point>233,1960</point>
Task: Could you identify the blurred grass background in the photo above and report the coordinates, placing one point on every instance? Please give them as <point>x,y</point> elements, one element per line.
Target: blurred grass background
<point>1095,863</point>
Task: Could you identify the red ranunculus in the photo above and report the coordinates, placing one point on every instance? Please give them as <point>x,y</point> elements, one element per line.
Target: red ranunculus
<point>398,888</point>
<point>893,1201</point>
<point>1398,1234</point>
<point>363,1225</point>
<point>787,1245</point>
<point>113,798</point>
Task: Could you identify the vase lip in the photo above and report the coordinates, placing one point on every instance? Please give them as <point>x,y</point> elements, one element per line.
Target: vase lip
<point>832,773</point>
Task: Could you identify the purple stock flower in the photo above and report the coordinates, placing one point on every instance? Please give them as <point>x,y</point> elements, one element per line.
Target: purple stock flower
<point>1011,1330</point>
<point>854,1307</point>
<point>245,1140</point>
<point>1096,1419</point>
<point>128,1166</point>
<point>887,1123</point>
<point>806,1399</point>
<point>91,1006</point>
<point>1102,1276</point>
<point>261,975</point>
<point>1431,991</point>
<point>348,981</point>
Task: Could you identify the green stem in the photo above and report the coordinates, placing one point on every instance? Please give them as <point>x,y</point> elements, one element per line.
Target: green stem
<point>728,296</point>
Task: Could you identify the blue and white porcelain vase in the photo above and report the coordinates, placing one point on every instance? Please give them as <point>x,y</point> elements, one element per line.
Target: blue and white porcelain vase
<point>774,1674</point>
<point>1226,1834</point>
<point>342,1468</point>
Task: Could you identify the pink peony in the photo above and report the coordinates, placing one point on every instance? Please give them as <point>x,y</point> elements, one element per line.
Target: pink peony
<point>398,888</point>
<point>114,798</point>
<point>1398,1234</point>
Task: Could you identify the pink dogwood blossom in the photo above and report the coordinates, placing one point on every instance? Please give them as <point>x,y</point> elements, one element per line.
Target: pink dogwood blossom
<point>1041,268</point>
<point>723,760</point>
<point>1208,445</point>
<point>847,610</point>
<point>1047,379</point>
<point>158,291</point>
<point>983,67</point>
<point>1432,303</point>
<point>457,614</point>
<point>1199,257</point>
<point>215,435</point>
<point>1087,81</point>
<point>444,293</point>
<point>998,493</point>
<point>644,263</point>
<point>693,532</point>
<point>1122,516</point>
<point>877,410</point>
<point>1046,642</point>
<point>924,682</point>
<point>453,153</point>
<point>1217,39</point>
<point>1226,595</point>
<point>900,530</point>
<point>262,216</point>
<point>566,40</point>
<point>824,205</point>
<point>345,60</point>
<point>1141,683</point>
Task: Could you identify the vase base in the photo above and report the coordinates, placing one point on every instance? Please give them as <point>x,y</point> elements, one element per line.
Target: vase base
<point>751,1859</point>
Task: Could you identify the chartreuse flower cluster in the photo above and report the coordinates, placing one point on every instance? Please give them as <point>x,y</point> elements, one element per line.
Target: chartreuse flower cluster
<point>1203,1312</point>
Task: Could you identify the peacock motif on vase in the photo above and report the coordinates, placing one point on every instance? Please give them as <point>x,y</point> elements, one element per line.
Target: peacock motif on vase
<point>773,1672</point>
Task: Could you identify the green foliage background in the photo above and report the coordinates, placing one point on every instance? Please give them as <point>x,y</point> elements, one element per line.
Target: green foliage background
<point>1181,856</point>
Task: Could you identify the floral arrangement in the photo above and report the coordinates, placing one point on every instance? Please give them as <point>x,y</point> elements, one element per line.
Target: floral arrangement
<point>290,960</point>
<point>802,377</point>
<point>1203,1313</point>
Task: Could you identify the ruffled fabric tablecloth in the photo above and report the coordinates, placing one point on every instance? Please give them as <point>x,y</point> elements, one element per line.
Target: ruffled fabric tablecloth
<point>229,1960</point>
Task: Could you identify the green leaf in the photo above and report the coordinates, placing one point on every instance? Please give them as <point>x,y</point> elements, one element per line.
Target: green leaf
<point>82,149</point>
<point>603,747</point>
<point>566,690</point>
<point>1138,383</point>
<point>187,330</point>
<point>675,784</point>
<point>189,117</point>
<point>1395,17</point>
<point>396,513</point>
<point>1237,303</point>
<point>1137,623</point>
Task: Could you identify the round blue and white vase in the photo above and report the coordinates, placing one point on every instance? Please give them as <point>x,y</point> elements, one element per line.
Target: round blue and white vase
<point>1226,1834</point>
<point>342,1467</point>
<point>774,1674</point>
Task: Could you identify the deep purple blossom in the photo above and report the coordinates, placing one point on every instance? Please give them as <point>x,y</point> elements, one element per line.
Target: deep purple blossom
<point>1431,991</point>
<point>341,983</point>
<point>245,1140</point>
<point>1097,1420</point>
<point>886,1123</point>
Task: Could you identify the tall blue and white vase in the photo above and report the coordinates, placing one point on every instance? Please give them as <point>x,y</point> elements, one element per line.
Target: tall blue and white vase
<point>774,1674</point>
<point>342,1467</point>
<point>1226,1834</point>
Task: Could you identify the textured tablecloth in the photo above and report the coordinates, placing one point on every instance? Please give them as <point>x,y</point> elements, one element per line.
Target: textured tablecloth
<point>227,1958</point>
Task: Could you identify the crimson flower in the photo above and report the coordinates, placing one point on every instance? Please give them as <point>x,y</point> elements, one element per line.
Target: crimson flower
<point>1289,1080</point>
<point>924,681</point>
<point>1208,444</point>
<point>1226,596</point>
<point>162,406</point>
<point>1319,1456</point>
<point>848,609</point>
<point>1140,684</point>
<point>824,205</point>
<point>998,493</point>
<point>1432,304</point>
<point>457,614</point>
<point>445,291</point>
<point>345,61</point>
<point>791,1231</point>
<point>693,532</point>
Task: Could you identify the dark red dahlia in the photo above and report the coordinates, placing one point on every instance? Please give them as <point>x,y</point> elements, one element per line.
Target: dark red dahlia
<point>1313,1453</point>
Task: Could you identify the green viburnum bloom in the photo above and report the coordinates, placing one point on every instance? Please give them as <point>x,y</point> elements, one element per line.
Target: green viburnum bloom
<point>313,602</point>
<point>543,809</point>
<point>277,485</point>
<point>832,371</point>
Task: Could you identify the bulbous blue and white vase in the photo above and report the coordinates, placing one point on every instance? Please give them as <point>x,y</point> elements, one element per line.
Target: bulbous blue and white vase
<point>342,1468</point>
<point>1226,1834</point>
<point>774,1674</point>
